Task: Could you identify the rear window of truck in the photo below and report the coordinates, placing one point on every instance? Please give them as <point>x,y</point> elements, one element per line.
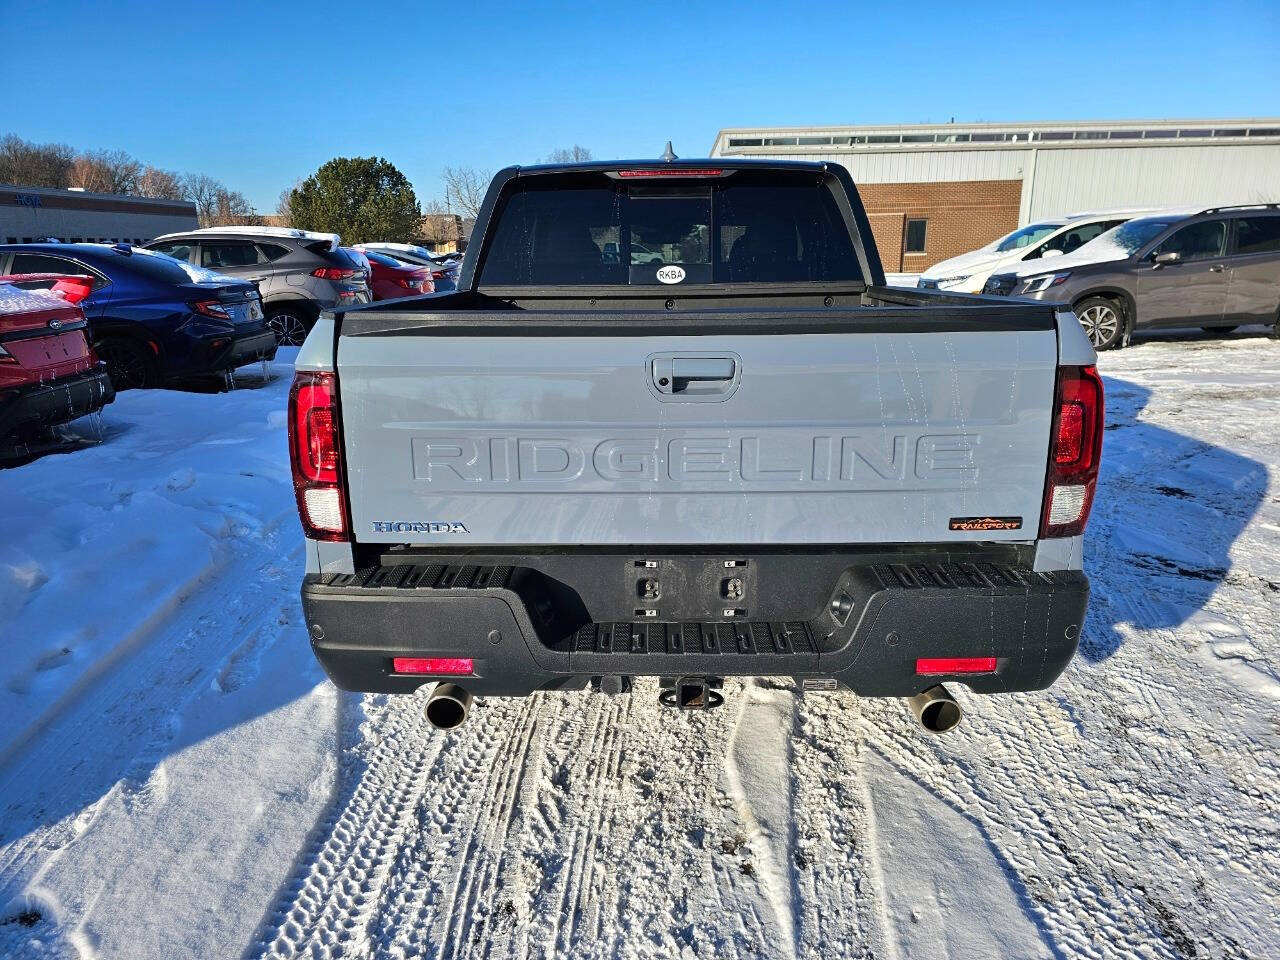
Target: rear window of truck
<point>748,227</point>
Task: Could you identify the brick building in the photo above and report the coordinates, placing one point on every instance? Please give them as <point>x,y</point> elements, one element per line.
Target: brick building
<point>446,232</point>
<point>919,224</point>
<point>936,191</point>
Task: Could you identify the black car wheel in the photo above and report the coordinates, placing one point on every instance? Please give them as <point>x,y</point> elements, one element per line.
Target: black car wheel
<point>128,363</point>
<point>290,325</point>
<point>1102,321</point>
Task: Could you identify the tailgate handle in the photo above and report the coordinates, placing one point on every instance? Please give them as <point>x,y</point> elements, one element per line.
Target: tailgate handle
<point>701,375</point>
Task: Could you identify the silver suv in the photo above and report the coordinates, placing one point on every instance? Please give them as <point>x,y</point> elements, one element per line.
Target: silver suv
<point>1216,268</point>
<point>299,272</point>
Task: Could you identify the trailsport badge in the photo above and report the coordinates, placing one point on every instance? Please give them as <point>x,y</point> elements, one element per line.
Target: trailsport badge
<point>985,523</point>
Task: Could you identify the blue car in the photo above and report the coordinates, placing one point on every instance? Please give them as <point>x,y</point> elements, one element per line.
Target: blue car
<point>153,318</point>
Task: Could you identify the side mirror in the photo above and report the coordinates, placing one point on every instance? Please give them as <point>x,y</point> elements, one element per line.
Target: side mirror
<point>1162,259</point>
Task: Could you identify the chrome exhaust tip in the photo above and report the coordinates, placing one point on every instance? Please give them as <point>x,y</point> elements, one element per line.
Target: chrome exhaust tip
<point>936,710</point>
<point>448,706</point>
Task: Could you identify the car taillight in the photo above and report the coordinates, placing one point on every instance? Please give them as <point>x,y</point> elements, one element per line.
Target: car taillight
<point>671,172</point>
<point>1074,452</point>
<point>74,288</point>
<point>437,274</point>
<point>211,308</point>
<point>316,456</point>
<point>410,283</point>
<point>335,273</point>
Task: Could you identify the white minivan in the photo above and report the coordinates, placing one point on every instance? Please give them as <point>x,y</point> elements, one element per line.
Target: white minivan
<point>968,272</point>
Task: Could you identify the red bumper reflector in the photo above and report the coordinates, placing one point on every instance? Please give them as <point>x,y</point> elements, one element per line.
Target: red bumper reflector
<point>447,666</point>
<point>930,666</point>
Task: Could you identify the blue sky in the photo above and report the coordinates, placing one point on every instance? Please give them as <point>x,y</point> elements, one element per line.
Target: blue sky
<point>260,94</point>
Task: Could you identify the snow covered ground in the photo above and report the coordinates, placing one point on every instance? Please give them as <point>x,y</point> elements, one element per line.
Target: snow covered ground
<point>177,780</point>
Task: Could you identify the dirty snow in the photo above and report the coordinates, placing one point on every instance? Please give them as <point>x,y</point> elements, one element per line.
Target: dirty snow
<point>177,780</point>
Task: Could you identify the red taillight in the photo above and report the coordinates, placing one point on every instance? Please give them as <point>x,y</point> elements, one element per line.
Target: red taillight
<point>437,274</point>
<point>1070,433</point>
<point>211,308</point>
<point>1075,451</point>
<point>934,666</point>
<point>315,453</point>
<point>670,172</point>
<point>334,273</point>
<point>434,666</point>
<point>74,288</point>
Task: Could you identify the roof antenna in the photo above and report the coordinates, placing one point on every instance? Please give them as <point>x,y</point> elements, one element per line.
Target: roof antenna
<point>668,154</point>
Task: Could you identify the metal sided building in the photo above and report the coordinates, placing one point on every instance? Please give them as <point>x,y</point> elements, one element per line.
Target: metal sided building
<point>934,191</point>
<point>30,214</point>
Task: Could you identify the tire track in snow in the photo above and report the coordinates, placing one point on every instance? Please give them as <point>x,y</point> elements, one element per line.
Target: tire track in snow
<point>329,903</point>
<point>598,763</point>
<point>432,895</point>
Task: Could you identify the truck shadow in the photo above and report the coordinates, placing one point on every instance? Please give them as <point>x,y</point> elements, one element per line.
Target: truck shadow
<point>1169,508</point>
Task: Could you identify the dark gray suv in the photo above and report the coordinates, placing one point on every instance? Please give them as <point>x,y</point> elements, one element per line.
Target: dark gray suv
<point>298,272</point>
<point>1216,268</point>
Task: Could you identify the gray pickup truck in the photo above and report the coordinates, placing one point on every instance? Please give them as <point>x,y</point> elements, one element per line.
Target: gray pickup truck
<point>750,458</point>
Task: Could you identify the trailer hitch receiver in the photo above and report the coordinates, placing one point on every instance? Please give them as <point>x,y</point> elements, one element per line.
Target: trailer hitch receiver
<point>691,693</point>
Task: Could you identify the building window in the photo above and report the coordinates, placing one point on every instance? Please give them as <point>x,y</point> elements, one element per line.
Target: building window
<point>915,236</point>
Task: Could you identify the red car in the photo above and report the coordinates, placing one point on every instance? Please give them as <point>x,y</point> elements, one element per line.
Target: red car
<point>48,372</point>
<point>392,279</point>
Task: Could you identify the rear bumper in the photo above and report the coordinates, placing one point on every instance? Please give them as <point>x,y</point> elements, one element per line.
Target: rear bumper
<point>57,401</point>
<point>229,352</point>
<point>527,631</point>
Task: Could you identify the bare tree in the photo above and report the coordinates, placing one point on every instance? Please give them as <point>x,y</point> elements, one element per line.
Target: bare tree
<point>202,190</point>
<point>284,206</point>
<point>464,189</point>
<point>160,184</point>
<point>216,206</point>
<point>574,154</point>
<point>27,164</point>
<point>232,208</point>
<point>106,171</point>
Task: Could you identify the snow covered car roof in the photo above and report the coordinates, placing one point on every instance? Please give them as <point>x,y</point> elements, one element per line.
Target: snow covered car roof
<point>332,239</point>
<point>405,247</point>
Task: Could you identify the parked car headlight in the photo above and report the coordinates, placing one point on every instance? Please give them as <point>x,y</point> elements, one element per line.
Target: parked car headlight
<point>1044,282</point>
<point>944,281</point>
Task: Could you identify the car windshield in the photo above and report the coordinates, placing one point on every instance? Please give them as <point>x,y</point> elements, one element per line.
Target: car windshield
<point>1132,236</point>
<point>742,228</point>
<point>1032,233</point>
<point>383,259</point>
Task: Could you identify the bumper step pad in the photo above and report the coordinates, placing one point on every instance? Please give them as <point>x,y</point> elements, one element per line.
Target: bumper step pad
<point>715,648</point>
